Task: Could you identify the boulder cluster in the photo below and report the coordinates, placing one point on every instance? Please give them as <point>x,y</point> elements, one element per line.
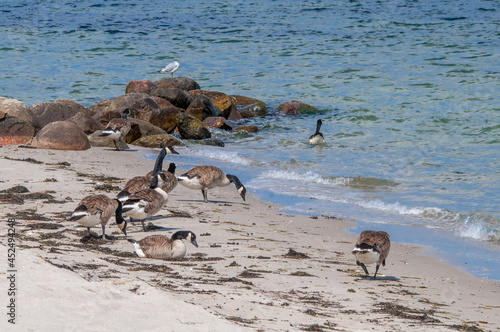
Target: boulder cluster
<point>159,109</point>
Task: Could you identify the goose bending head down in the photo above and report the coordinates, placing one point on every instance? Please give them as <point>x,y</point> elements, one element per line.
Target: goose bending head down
<point>372,247</point>
<point>162,247</point>
<point>138,183</point>
<point>207,177</point>
<point>97,210</point>
<point>147,202</point>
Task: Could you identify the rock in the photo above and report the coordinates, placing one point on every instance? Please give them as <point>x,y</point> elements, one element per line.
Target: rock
<point>143,86</point>
<point>86,123</point>
<point>61,135</point>
<point>234,114</point>
<point>256,109</point>
<point>248,129</point>
<point>60,110</point>
<point>177,97</point>
<point>191,128</point>
<point>158,141</point>
<point>105,117</point>
<point>146,128</point>
<point>213,142</point>
<point>217,122</point>
<point>220,100</point>
<point>182,83</point>
<point>296,107</point>
<point>137,102</point>
<point>95,140</point>
<point>17,109</point>
<point>161,102</point>
<point>242,100</point>
<point>201,108</point>
<point>15,131</point>
<point>165,118</point>
<point>133,134</point>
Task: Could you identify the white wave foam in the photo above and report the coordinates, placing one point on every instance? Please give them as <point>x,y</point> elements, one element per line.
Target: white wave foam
<point>307,177</point>
<point>226,156</point>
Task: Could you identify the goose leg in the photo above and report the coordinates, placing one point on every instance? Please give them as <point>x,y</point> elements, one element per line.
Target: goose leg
<point>376,270</point>
<point>88,230</point>
<point>104,233</point>
<point>363,266</point>
<point>143,226</point>
<point>204,192</point>
<point>116,145</point>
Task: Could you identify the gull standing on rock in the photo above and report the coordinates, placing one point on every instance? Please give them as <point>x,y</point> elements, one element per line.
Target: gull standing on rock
<point>170,68</point>
<point>117,128</point>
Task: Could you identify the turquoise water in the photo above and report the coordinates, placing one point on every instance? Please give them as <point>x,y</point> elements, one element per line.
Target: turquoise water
<point>409,93</point>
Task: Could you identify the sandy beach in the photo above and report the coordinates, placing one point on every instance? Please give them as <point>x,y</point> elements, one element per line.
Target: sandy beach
<point>256,268</point>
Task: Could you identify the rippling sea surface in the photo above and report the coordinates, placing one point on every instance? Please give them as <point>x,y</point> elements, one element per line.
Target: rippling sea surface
<point>409,93</point>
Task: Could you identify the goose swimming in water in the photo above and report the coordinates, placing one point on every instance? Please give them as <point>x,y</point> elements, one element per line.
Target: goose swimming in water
<point>372,247</point>
<point>98,209</point>
<point>162,247</point>
<point>117,128</point>
<point>317,137</point>
<point>207,177</point>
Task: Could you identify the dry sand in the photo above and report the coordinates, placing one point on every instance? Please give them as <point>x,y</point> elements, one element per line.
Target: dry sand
<point>239,279</point>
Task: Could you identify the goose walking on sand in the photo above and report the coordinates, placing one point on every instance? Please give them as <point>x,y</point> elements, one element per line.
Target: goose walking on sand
<point>207,177</point>
<point>317,137</point>
<point>117,128</point>
<point>162,247</point>
<point>147,202</point>
<point>372,247</point>
<point>97,210</point>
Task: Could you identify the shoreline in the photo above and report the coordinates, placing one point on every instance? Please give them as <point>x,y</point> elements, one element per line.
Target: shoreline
<point>240,278</point>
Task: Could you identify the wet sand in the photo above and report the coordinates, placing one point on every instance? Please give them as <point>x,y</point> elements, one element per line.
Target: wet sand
<point>256,268</point>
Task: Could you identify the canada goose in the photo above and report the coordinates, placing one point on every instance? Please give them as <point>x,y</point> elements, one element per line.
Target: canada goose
<point>142,182</point>
<point>372,247</point>
<point>170,180</point>
<point>98,209</point>
<point>208,177</point>
<point>160,246</point>
<point>317,137</point>
<point>147,202</point>
<point>170,68</point>
<point>117,128</point>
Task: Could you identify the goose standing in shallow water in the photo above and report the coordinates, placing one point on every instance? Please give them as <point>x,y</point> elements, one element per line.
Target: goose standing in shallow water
<point>160,246</point>
<point>117,128</point>
<point>372,247</point>
<point>98,209</point>
<point>208,177</point>
<point>138,183</point>
<point>317,137</point>
<point>147,202</point>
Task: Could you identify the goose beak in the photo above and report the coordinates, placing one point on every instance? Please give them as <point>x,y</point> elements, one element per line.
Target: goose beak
<point>195,243</point>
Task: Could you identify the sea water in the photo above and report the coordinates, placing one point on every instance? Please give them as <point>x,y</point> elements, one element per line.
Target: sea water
<point>408,93</point>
